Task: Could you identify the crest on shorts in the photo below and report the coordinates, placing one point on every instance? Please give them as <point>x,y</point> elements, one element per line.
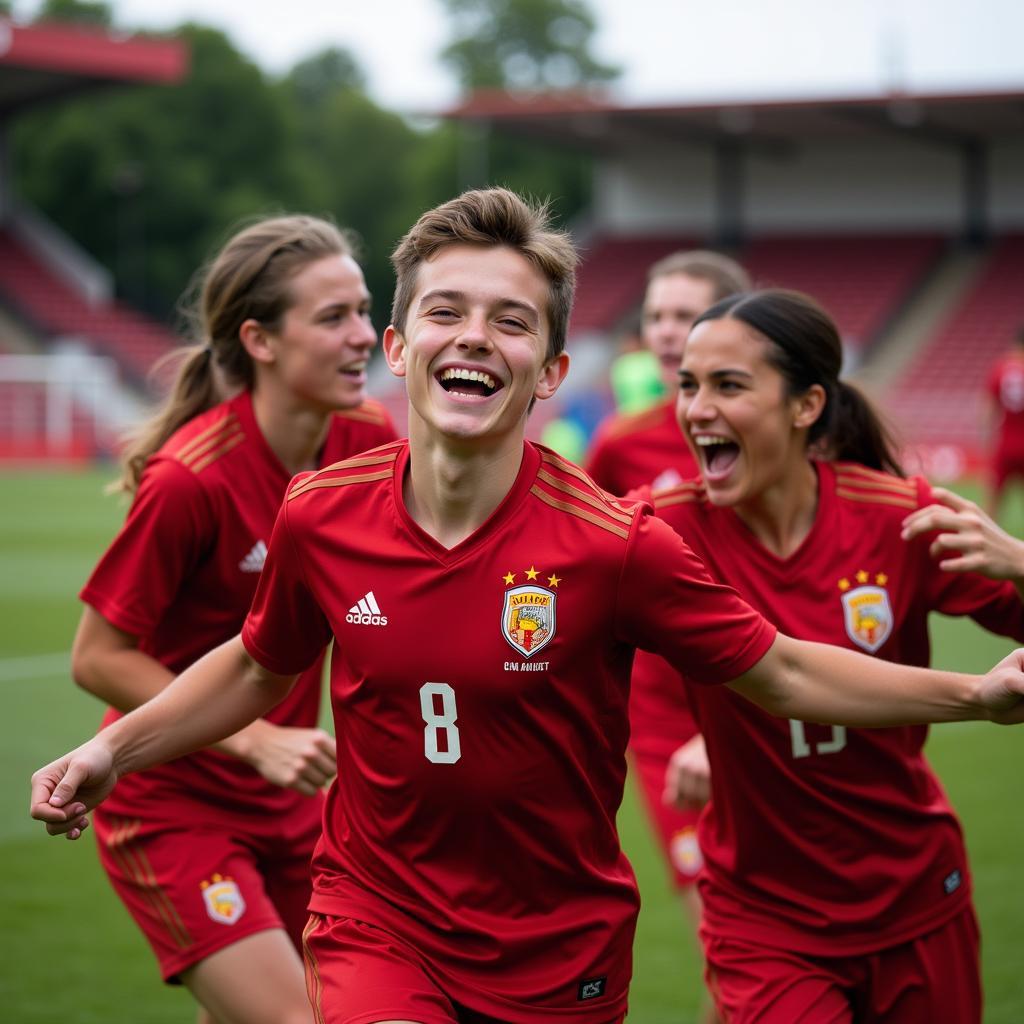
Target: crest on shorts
<point>868,616</point>
<point>684,851</point>
<point>528,618</point>
<point>223,899</point>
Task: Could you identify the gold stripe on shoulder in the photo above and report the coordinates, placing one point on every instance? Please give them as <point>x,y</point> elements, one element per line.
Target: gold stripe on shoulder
<point>203,440</point>
<point>851,474</point>
<point>666,499</point>
<point>369,459</point>
<point>336,481</point>
<point>366,413</point>
<point>571,469</point>
<point>575,510</point>
<point>877,498</point>
<point>591,499</point>
<point>223,447</point>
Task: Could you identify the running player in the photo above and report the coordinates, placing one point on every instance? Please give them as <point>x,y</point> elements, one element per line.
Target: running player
<point>648,448</point>
<point>210,853</point>
<point>486,600</point>
<point>836,885</point>
<point>1005,393</point>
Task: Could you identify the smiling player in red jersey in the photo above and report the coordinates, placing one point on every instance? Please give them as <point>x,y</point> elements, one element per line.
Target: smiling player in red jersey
<point>836,885</point>
<point>469,868</point>
<point>648,448</point>
<point>210,854</point>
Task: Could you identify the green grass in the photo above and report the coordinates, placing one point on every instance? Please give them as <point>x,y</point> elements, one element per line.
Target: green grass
<point>73,955</point>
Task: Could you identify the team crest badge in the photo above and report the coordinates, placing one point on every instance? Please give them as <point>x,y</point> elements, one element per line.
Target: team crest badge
<point>528,618</point>
<point>223,898</point>
<point>868,616</point>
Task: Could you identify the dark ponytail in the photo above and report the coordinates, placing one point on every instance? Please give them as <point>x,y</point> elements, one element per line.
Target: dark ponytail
<point>806,349</point>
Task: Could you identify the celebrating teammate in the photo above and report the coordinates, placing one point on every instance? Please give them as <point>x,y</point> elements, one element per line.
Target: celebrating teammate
<point>644,448</point>
<point>1005,409</point>
<point>486,600</point>
<point>836,885</point>
<point>210,853</point>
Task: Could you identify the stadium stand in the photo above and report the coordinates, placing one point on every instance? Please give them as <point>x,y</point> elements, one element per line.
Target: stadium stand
<point>939,398</point>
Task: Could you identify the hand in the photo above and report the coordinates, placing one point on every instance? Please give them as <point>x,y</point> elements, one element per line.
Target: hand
<point>302,759</point>
<point>969,540</point>
<point>688,776</point>
<point>65,790</point>
<point>1001,690</point>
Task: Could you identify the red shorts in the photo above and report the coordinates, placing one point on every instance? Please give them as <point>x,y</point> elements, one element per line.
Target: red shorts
<point>934,978</point>
<point>195,888</point>
<point>676,830</point>
<point>357,973</point>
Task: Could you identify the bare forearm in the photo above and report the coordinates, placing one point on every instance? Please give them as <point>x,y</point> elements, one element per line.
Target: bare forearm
<point>217,696</point>
<point>821,683</point>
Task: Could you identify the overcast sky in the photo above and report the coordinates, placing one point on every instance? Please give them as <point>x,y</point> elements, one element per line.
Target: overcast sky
<point>670,50</point>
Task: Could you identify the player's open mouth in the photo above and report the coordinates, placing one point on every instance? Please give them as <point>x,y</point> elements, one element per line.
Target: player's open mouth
<point>354,369</point>
<point>458,380</point>
<point>717,455</point>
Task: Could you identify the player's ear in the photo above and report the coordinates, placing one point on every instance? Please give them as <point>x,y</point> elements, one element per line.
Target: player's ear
<point>394,350</point>
<point>253,337</point>
<point>809,406</point>
<point>551,376</point>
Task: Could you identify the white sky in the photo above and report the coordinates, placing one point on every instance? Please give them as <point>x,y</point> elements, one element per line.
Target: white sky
<point>670,50</point>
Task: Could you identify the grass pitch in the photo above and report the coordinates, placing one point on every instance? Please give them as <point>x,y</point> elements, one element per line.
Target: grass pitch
<point>71,952</point>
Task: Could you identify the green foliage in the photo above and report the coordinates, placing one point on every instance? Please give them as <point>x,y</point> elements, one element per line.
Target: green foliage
<point>82,12</point>
<point>523,44</point>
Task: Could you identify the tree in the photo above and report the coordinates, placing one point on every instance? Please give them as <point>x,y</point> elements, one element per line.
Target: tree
<point>314,80</point>
<point>81,12</point>
<point>523,45</point>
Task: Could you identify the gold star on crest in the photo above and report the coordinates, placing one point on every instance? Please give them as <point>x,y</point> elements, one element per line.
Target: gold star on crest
<point>844,584</point>
<point>881,579</point>
<point>863,577</point>
<point>553,581</point>
<point>531,573</point>
<point>509,577</point>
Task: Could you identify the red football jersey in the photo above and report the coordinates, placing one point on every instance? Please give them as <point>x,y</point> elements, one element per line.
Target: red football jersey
<point>181,573</point>
<point>1006,386</point>
<point>480,706</point>
<point>641,448</point>
<point>629,452</point>
<point>828,840</point>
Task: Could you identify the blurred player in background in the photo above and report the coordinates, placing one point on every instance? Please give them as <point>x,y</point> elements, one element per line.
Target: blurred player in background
<point>486,600</point>
<point>634,449</point>
<point>1005,393</point>
<point>836,885</point>
<point>210,853</point>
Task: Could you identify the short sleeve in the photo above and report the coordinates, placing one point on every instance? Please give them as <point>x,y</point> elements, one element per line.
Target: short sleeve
<point>669,605</point>
<point>286,629</point>
<point>168,528</point>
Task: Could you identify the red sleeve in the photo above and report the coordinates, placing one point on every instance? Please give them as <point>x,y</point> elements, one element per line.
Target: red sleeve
<point>668,604</point>
<point>286,629</point>
<point>600,463</point>
<point>169,526</point>
<point>994,604</point>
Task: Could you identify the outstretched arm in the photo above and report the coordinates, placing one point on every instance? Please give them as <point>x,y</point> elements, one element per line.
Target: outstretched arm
<point>214,698</point>
<point>108,663</point>
<point>821,683</point>
<point>968,540</point>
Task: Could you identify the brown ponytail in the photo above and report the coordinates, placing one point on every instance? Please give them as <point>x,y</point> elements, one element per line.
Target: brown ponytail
<point>247,279</point>
<point>806,349</point>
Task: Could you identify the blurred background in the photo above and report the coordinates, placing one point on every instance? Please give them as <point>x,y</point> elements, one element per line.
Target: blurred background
<point>871,154</point>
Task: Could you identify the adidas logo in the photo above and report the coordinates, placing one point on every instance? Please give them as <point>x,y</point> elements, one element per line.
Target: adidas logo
<point>253,562</point>
<point>366,612</point>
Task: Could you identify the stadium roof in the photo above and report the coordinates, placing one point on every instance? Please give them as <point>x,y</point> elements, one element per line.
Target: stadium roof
<point>593,122</point>
<point>42,62</point>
